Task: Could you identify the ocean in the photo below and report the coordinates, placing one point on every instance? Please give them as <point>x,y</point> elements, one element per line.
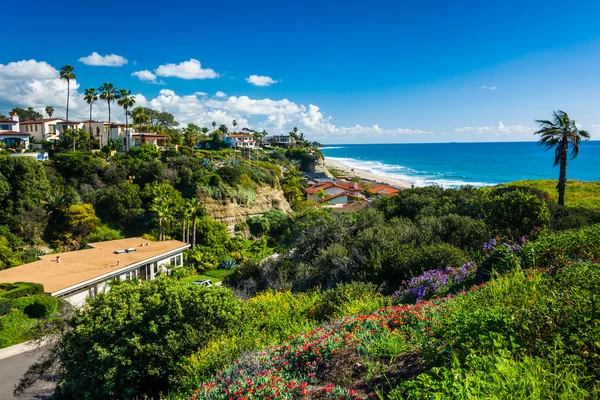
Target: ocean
<point>457,164</point>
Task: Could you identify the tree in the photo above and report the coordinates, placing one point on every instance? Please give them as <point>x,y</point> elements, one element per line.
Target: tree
<point>140,117</point>
<point>27,115</point>
<point>72,135</point>
<point>559,134</point>
<point>214,124</point>
<point>166,120</point>
<point>195,207</point>
<point>66,73</point>
<point>234,125</point>
<point>49,111</point>
<point>141,333</point>
<point>223,128</point>
<point>191,135</point>
<point>108,93</point>
<point>126,101</point>
<point>90,96</point>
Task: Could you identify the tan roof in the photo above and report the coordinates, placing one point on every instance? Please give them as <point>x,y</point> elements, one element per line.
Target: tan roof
<point>80,266</point>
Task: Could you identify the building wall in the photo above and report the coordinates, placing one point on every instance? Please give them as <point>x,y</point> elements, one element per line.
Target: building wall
<point>149,271</point>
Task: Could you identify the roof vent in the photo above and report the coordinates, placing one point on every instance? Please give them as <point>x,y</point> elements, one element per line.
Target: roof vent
<point>130,250</point>
<point>120,251</point>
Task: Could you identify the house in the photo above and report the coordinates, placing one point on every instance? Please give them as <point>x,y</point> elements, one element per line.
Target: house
<point>313,178</point>
<point>281,140</point>
<point>42,129</point>
<point>341,199</point>
<point>325,190</point>
<point>74,276</point>
<point>158,140</point>
<point>10,133</point>
<point>240,140</point>
<point>385,190</point>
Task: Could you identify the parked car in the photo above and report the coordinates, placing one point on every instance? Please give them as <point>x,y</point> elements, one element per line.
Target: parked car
<point>203,282</point>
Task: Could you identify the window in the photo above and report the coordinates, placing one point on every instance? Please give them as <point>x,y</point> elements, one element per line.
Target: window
<point>52,128</point>
<point>36,128</point>
<point>178,261</point>
<point>97,131</point>
<point>172,261</point>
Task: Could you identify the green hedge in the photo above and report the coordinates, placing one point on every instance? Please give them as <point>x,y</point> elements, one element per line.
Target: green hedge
<point>14,328</point>
<point>5,306</point>
<point>20,289</point>
<point>38,306</point>
<point>557,249</point>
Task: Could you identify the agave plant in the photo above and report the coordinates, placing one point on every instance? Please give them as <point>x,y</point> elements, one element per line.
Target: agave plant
<point>228,263</point>
<point>208,164</point>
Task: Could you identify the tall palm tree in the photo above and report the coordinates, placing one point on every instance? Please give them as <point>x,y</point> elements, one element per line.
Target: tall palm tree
<point>214,124</point>
<point>109,93</point>
<point>49,111</point>
<point>195,207</point>
<point>66,73</point>
<point>90,96</point>
<point>559,134</point>
<point>126,100</point>
<point>234,124</point>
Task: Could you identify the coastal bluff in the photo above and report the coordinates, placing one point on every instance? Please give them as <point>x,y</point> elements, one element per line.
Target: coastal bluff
<point>230,212</point>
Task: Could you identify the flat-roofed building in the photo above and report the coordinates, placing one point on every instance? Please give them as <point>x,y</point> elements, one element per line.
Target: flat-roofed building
<point>77,275</point>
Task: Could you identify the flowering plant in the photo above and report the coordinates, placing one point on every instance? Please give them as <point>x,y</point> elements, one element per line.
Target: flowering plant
<point>435,282</point>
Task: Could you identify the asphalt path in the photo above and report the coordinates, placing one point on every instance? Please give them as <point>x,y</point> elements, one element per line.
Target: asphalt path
<point>13,368</point>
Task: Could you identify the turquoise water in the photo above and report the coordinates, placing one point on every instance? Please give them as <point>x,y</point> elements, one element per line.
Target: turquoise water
<point>456,164</point>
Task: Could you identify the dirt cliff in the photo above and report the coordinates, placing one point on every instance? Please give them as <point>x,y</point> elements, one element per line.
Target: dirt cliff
<point>231,213</point>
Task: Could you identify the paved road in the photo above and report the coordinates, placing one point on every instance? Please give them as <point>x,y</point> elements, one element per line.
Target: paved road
<point>11,370</point>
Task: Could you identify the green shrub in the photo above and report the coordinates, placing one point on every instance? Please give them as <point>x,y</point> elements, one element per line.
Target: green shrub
<point>14,328</point>
<point>5,306</point>
<point>41,307</point>
<point>103,233</point>
<point>128,341</point>
<point>20,289</point>
<point>351,299</point>
<point>229,175</point>
<point>558,248</point>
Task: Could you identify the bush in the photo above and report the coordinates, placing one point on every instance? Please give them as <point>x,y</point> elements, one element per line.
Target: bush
<point>351,299</point>
<point>14,328</point>
<point>514,212</point>
<point>229,175</point>
<point>20,289</point>
<point>41,307</point>
<point>128,341</point>
<point>103,233</point>
<point>5,306</point>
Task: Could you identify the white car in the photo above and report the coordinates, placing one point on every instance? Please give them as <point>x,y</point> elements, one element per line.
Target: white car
<point>203,282</point>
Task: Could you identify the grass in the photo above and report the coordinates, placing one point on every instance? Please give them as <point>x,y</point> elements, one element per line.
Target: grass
<point>578,193</point>
<point>214,275</point>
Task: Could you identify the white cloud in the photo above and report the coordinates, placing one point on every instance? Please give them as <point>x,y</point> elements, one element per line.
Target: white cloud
<point>144,75</point>
<point>258,80</point>
<point>109,60</point>
<point>191,69</point>
<point>30,69</point>
<point>486,87</point>
<point>493,88</point>
<point>200,94</point>
<point>498,129</point>
<point>220,94</point>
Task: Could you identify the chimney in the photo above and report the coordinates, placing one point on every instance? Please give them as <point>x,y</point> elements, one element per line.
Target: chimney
<point>118,262</point>
<point>15,117</point>
<point>57,257</point>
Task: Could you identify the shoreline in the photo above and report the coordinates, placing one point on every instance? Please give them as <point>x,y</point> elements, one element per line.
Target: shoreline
<point>367,175</point>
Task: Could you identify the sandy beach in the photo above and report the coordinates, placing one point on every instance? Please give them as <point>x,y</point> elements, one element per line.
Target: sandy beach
<point>366,175</point>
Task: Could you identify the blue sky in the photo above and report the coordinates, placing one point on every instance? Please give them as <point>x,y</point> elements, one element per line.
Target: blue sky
<point>345,72</point>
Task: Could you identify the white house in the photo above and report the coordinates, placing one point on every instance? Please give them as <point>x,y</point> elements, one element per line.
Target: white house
<point>240,140</point>
<point>281,140</point>
<point>41,129</point>
<point>10,133</point>
<point>77,275</point>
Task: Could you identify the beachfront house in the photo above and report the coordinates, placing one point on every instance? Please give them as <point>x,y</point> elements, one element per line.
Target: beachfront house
<point>77,275</point>
<point>240,140</point>
<point>41,129</point>
<point>10,134</point>
<point>325,190</point>
<point>281,140</point>
<point>385,190</point>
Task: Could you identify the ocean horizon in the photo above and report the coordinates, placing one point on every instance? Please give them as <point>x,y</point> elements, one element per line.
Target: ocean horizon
<point>459,164</point>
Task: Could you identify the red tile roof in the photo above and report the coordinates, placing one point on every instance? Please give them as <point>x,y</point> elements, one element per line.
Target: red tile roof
<point>350,196</point>
<point>349,186</point>
<point>390,191</point>
<point>40,121</point>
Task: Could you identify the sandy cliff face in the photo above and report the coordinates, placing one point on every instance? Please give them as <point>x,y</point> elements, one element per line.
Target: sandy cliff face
<point>231,213</point>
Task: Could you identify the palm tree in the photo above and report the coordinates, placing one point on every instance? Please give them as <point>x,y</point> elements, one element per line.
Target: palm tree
<point>234,124</point>
<point>49,111</point>
<point>90,96</point>
<point>109,93</point>
<point>140,117</point>
<point>163,212</point>
<point>214,124</point>
<point>66,73</point>
<point>126,101</point>
<point>558,135</point>
<point>195,207</point>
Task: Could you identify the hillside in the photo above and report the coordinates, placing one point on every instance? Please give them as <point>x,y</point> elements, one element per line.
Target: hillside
<point>578,193</point>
